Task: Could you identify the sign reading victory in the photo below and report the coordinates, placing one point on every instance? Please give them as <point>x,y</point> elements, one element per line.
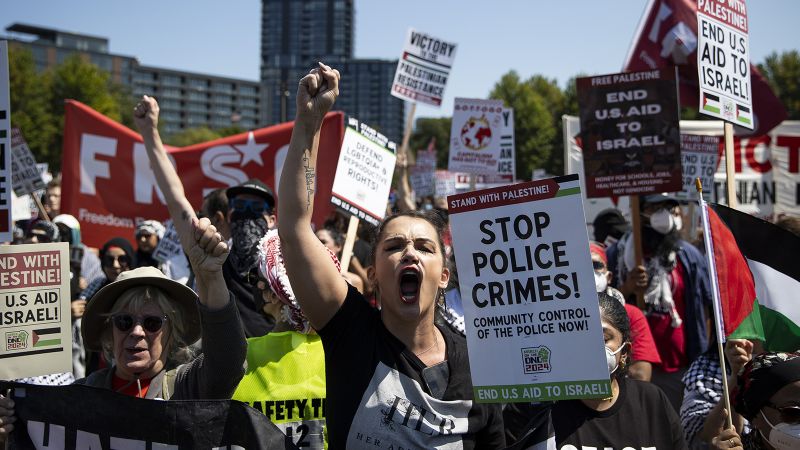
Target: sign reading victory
<point>723,61</point>
<point>364,172</point>
<point>528,292</point>
<point>423,68</point>
<point>35,314</point>
<point>630,133</point>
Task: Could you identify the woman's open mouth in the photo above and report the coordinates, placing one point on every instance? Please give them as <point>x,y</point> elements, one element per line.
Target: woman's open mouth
<point>410,280</point>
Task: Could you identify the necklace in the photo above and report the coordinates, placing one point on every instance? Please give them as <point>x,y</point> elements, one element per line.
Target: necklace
<point>435,343</point>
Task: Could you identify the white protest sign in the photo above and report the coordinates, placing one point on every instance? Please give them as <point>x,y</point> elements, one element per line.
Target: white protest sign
<point>527,284</point>
<point>422,174</point>
<point>723,61</point>
<point>35,314</point>
<point>475,136</point>
<point>423,68</point>
<point>364,172</point>
<point>168,246</point>
<point>25,175</point>
<point>699,154</point>
<point>445,183</point>
<point>5,148</point>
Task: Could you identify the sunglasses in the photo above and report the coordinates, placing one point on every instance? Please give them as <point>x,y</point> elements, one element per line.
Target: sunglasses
<point>789,413</point>
<point>125,322</point>
<point>598,265</point>
<point>123,260</point>
<point>255,206</point>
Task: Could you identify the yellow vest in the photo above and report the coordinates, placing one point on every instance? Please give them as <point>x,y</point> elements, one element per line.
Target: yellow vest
<point>285,380</point>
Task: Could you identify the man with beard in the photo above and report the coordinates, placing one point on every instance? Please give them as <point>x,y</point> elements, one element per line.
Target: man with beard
<point>250,215</point>
<point>675,285</point>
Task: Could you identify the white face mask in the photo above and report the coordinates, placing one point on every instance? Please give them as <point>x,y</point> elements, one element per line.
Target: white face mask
<point>600,281</point>
<point>784,436</point>
<point>611,358</point>
<point>662,221</point>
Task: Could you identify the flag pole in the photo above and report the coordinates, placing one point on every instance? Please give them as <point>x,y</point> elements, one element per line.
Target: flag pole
<point>638,255</point>
<point>718,319</point>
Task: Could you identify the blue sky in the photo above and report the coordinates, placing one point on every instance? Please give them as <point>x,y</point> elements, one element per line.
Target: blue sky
<point>557,38</point>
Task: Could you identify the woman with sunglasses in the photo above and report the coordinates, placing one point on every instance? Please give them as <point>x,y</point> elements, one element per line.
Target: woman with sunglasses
<point>395,379</point>
<point>144,323</point>
<point>768,396</point>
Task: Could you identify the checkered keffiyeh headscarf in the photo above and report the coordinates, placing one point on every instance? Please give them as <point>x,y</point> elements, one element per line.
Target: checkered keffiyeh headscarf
<point>761,378</point>
<point>271,267</point>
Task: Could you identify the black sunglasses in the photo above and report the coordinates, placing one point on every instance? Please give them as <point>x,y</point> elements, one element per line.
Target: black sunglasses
<point>255,206</point>
<point>125,322</point>
<point>789,413</point>
<point>598,265</point>
<point>124,260</point>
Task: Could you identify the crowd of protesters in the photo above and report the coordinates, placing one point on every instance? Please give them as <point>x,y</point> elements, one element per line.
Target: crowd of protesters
<point>258,309</point>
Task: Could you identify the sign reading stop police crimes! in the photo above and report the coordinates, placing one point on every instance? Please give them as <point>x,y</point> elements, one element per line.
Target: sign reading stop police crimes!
<point>630,133</point>
<point>423,68</point>
<point>528,291</point>
<point>35,317</point>
<point>364,172</point>
<point>723,61</point>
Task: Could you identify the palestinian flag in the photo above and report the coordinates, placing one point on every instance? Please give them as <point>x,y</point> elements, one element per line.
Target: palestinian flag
<point>711,103</point>
<point>771,254</point>
<point>743,114</point>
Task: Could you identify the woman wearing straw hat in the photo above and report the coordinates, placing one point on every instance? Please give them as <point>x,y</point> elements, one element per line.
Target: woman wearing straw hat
<point>145,322</point>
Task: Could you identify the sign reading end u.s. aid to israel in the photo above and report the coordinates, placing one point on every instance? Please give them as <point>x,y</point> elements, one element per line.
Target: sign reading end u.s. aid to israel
<point>723,61</point>
<point>528,292</point>
<point>423,68</point>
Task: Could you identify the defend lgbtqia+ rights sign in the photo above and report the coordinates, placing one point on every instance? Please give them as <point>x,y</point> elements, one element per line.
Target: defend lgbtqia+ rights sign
<point>527,287</point>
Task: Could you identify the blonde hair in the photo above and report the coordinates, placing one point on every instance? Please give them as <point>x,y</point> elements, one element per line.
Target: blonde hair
<point>135,299</point>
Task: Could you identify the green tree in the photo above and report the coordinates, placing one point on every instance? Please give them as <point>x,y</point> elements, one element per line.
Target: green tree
<point>534,129</point>
<point>437,128</point>
<point>30,105</point>
<point>782,71</point>
<point>192,136</point>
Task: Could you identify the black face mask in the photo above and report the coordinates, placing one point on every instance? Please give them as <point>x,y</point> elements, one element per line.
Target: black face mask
<point>246,230</point>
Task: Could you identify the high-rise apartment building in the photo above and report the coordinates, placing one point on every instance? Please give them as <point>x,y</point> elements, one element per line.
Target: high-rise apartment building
<point>295,34</point>
<point>186,99</point>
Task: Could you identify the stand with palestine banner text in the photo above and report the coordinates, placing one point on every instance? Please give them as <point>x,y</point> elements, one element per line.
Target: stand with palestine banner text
<point>528,291</point>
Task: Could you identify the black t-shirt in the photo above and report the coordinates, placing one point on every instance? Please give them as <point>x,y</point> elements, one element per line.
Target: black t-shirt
<point>254,321</point>
<point>641,419</point>
<point>379,399</point>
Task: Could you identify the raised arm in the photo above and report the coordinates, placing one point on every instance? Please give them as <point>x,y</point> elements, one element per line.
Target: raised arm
<point>207,265</point>
<point>317,284</point>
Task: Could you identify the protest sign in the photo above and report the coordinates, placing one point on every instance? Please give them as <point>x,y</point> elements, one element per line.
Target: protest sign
<point>699,155</point>
<point>423,173</point>
<point>84,417</point>
<point>25,175</point>
<point>108,185</point>
<point>445,183</point>
<point>630,134</point>
<point>35,314</point>
<point>475,136</point>
<point>168,246</point>
<point>723,61</point>
<point>528,292</point>
<point>6,222</point>
<point>423,68</point>
<point>364,172</point>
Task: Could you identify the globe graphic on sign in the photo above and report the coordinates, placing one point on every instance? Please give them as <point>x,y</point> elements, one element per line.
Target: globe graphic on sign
<point>476,134</point>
